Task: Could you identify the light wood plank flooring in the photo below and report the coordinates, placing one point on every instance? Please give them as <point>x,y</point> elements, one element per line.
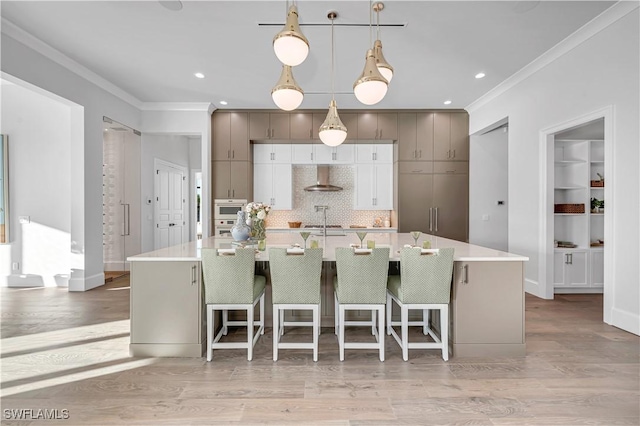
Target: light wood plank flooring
<point>69,351</point>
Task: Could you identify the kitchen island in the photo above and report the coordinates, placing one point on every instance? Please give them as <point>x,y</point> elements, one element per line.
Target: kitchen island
<point>487,298</point>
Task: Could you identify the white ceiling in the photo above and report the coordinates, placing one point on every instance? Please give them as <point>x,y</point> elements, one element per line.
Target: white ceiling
<point>152,52</point>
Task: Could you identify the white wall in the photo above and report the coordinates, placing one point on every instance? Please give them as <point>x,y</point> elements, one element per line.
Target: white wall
<point>39,130</point>
<point>603,70</point>
<point>488,184</point>
<point>85,165</point>
<point>172,148</point>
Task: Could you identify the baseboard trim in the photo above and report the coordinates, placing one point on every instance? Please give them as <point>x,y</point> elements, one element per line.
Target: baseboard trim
<point>86,283</point>
<point>578,290</point>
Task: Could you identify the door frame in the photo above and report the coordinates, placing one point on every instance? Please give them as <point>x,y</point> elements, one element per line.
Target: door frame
<point>545,264</point>
<point>185,205</point>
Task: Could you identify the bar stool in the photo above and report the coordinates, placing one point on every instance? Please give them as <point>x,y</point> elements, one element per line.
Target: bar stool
<point>424,283</point>
<point>360,284</point>
<point>230,283</point>
<point>295,284</point>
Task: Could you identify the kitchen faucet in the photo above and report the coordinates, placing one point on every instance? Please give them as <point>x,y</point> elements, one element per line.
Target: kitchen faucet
<point>324,223</point>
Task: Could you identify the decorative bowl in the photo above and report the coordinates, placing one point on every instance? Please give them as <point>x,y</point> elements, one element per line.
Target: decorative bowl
<point>295,224</point>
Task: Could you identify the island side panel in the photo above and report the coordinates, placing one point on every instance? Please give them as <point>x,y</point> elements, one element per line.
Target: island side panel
<point>166,309</point>
<point>487,309</point>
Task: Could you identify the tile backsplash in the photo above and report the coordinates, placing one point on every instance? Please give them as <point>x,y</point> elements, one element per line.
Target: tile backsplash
<point>340,203</point>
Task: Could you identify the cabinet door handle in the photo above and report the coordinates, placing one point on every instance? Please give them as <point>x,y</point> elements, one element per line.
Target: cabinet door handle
<point>312,156</point>
<point>310,133</point>
<point>414,154</point>
<point>430,219</point>
<point>436,214</point>
<point>420,154</point>
<point>272,132</point>
<point>267,132</point>
<point>228,192</point>
<point>233,153</point>
<point>380,134</point>
<point>454,153</point>
<point>233,192</point>
<point>570,258</point>
<point>193,275</point>
<point>464,279</point>
<point>228,153</point>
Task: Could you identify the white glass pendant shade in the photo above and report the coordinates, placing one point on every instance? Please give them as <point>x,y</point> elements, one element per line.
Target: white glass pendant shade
<point>332,132</point>
<point>383,66</point>
<point>290,45</point>
<point>287,95</point>
<point>371,86</point>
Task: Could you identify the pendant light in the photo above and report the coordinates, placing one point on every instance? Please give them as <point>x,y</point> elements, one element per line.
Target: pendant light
<point>290,45</point>
<point>371,86</point>
<point>383,66</point>
<point>287,95</point>
<point>332,132</point>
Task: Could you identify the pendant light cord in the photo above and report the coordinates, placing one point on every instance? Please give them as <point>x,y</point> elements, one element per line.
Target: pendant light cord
<point>332,87</point>
<point>371,23</point>
<point>378,24</point>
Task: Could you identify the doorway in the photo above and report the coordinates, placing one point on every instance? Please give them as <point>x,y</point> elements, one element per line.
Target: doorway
<point>120,197</point>
<point>170,192</point>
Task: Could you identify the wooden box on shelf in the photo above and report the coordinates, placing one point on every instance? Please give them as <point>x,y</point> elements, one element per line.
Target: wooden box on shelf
<point>568,208</point>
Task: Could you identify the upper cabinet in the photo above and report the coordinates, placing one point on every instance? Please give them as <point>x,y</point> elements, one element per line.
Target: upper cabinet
<point>374,153</point>
<point>230,136</point>
<point>301,125</point>
<point>373,125</point>
<point>415,136</point>
<point>341,154</point>
<point>451,136</point>
<point>269,125</point>
<point>267,153</point>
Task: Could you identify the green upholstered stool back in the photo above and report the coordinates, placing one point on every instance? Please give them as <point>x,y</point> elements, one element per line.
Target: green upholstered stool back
<point>362,278</point>
<point>425,278</point>
<point>295,278</point>
<point>228,278</point>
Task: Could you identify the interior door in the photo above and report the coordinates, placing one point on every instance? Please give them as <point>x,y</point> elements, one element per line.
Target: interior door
<point>170,205</point>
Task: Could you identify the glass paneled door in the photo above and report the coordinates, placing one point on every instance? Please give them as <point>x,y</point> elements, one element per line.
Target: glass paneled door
<point>120,196</point>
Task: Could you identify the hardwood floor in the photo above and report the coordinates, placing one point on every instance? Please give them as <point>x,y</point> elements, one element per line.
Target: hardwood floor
<point>69,351</point>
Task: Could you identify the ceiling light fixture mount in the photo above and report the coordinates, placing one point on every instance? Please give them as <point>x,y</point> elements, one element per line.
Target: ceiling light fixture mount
<point>332,132</point>
<point>290,45</point>
<point>371,87</point>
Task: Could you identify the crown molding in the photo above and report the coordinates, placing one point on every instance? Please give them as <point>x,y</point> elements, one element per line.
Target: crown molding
<point>176,106</point>
<point>582,34</point>
<point>20,35</point>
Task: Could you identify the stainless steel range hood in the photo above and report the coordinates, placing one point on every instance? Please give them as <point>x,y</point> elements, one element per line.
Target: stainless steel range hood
<point>323,182</point>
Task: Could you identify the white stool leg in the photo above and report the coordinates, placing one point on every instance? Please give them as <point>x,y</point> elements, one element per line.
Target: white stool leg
<point>250,333</point>
<point>225,319</point>
<point>316,331</point>
<point>209,332</point>
<point>281,330</point>
<point>335,313</point>
<point>425,321</point>
<point>381,334</point>
<point>444,331</point>
<point>373,322</point>
<point>262,314</point>
<point>389,307</point>
<point>276,334</point>
<point>405,332</point>
<point>341,332</point>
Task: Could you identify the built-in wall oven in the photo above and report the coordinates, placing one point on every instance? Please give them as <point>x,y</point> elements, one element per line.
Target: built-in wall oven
<point>224,216</point>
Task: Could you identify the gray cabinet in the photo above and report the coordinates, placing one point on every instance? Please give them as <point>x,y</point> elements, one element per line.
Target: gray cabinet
<point>265,125</point>
<point>451,136</point>
<point>230,179</point>
<point>230,136</point>
<point>301,125</point>
<point>373,125</point>
<point>173,324</point>
<point>415,136</point>
<point>487,309</point>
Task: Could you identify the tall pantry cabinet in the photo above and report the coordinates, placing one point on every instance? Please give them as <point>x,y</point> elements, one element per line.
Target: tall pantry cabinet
<point>433,173</point>
<point>230,165</point>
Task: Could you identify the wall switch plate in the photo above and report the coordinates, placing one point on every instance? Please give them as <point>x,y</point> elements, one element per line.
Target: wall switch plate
<point>24,219</point>
<point>15,266</point>
<point>485,217</point>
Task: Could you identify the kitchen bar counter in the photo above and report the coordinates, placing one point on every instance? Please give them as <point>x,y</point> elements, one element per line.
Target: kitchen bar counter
<point>487,299</point>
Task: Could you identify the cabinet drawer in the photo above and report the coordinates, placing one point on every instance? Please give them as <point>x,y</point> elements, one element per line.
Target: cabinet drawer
<point>415,167</point>
<point>455,167</point>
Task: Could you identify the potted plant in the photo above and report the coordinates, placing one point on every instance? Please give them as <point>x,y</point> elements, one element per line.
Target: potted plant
<point>596,205</point>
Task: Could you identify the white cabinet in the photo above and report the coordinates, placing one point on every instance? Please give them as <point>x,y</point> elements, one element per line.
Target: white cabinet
<point>341,154</point>
<point>374,154</point>
<point>596,266</point>
<point>272,153</point>
<point>373,187</point>
<point>571,268</point>
<point>272,184</point>
<point>302,153</point>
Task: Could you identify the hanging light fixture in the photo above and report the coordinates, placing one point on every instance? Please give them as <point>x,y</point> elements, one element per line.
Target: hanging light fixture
<point>371,86</point>
<point>383,66</point>
<point>290,45</point>
<point>332,132</point>
<point>287,95</point>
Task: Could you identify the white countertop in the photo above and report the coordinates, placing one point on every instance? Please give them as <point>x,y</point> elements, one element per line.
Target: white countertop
<point>464,252</point>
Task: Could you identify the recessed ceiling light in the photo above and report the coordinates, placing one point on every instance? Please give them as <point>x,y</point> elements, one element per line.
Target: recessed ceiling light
<point>106,130</point>
<point>480,75</point>
<point>447,102</point>
<point>171,5</point>
<point>199,75</point>
<point>223,102</point>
